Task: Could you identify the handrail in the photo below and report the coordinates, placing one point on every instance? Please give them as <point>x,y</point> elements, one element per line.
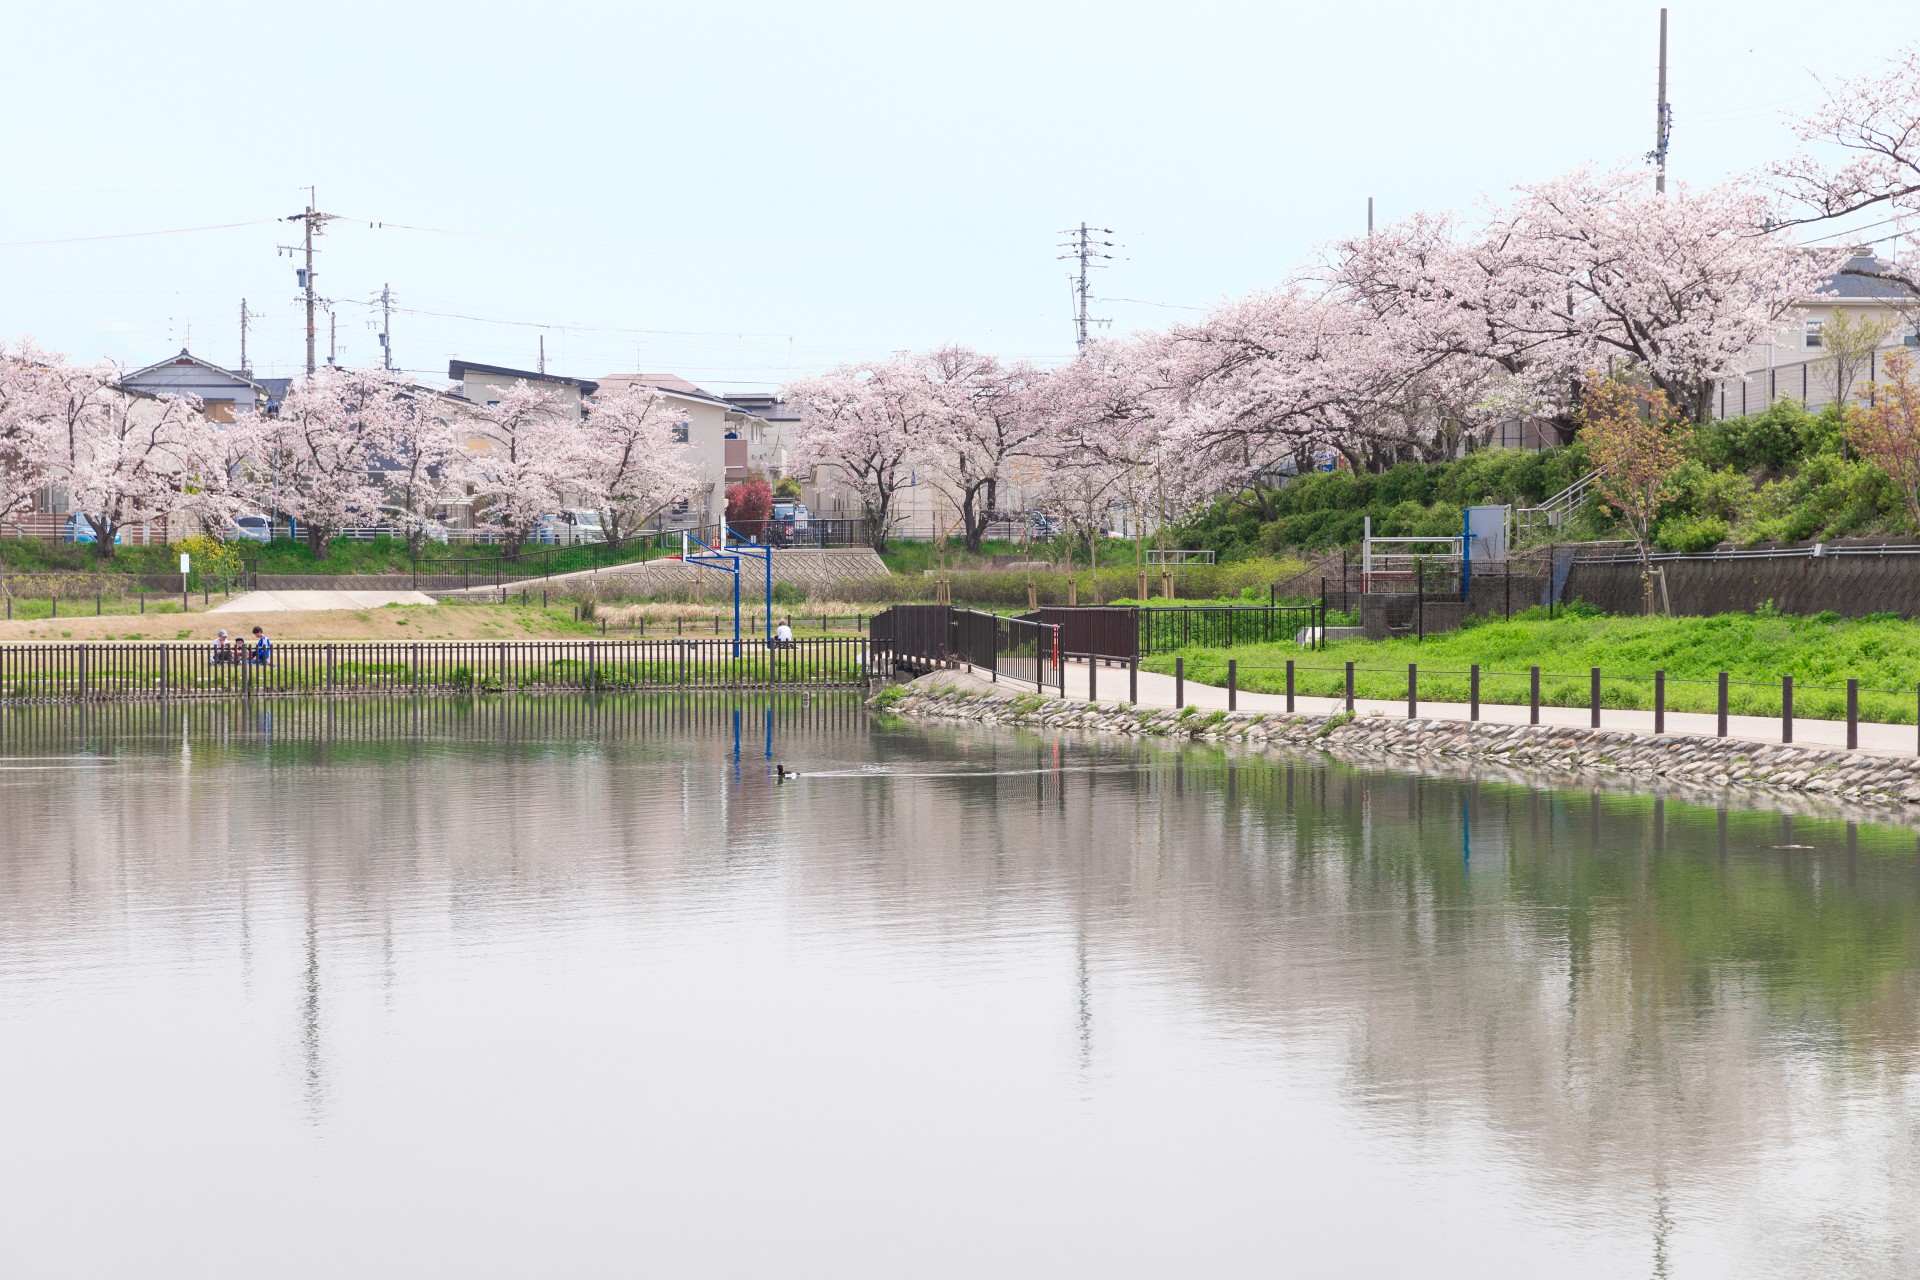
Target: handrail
<point>1557,506</point>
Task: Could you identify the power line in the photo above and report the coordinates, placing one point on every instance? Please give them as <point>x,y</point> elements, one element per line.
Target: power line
<point>136,235</point>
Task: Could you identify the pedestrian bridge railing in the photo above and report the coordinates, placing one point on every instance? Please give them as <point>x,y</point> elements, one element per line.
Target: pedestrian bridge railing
<point>80,672</point>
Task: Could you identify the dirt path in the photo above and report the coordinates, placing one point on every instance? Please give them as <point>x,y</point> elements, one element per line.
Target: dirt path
<point>394,622</point>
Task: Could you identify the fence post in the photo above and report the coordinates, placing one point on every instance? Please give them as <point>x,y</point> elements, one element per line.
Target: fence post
<point>1289,686</point>
<point>1180,683</point>
<point>1473,691</point>
<point>1853,714</point>
<point>1349,685</point>
<point>83,671</point>
<point>1093,679</point>
<point>1786,708</point>
<point>1420,599</point>
<point>163,672</point>
<point>1596,697</point>
<point>1533,698</point>
<point>1323,613</point>
<point>1413,690</point>
<point>1720,725</point>
<point>1133,677</point>
<point>1233,684</point>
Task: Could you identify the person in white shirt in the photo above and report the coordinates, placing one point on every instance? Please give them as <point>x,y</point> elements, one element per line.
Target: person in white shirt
<point>783,636</point>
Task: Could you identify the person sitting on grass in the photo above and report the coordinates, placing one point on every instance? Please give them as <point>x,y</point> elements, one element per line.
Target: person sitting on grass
<point>783,637</point>
<point>262,647</point>
<point>238,653</point>
<point>222,649</point>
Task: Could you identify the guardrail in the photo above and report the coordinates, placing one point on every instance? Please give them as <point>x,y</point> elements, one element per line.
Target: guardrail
<point>86,672</point>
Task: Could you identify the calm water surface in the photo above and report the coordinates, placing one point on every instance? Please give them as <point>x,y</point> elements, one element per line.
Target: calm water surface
<point>576,990</point>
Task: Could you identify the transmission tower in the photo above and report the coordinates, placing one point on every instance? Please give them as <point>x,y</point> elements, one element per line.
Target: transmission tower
<point>1082,248</point>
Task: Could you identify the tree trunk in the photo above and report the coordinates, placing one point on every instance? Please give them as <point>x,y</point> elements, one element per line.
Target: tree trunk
<point>973,520</point>
<point>318,541</point>
<point>104,531</point>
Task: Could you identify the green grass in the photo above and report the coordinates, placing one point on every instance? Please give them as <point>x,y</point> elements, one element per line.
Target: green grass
<point>284,556</point>
<point>1820,653</point>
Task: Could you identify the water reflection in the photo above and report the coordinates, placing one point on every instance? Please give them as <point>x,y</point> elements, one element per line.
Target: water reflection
<point>1064,1006</point>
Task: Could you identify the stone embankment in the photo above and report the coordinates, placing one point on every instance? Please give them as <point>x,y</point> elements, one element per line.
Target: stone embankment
<point>1692,761</point>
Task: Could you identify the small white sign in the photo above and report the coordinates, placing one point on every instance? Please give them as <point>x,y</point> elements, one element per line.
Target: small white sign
<point>183,563</point>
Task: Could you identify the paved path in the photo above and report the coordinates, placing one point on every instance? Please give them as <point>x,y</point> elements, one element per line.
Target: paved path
<point>1157,691</point>
<point>313,601</point>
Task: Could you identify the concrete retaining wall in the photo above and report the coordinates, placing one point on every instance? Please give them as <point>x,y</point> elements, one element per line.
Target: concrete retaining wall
<point>1675,758</point>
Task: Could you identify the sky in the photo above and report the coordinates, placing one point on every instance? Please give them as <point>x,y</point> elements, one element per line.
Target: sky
<point>744,192</point>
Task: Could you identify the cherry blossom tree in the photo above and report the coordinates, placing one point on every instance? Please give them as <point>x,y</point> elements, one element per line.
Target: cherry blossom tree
<point>983,421</point>
<point>121,458</point>
<point>423,465</point>
<point>1873,123</point>
<point>866,422</point>
<point>532,453</point>
<point>1679,285</point>
<point>1583,272</point>
<point>23,383</point>
<point>320,462</point>
<point>627,462</point>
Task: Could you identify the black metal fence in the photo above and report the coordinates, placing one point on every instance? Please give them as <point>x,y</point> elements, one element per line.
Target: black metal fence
<point>65,672</point>
<point>1785,700</point>
<point>1223,626</point>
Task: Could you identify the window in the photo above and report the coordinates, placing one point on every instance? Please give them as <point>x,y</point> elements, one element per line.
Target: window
<point>680,432</point>
<point>1814,330</point>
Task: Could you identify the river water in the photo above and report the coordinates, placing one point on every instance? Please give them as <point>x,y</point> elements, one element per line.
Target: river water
<point>575,989</point>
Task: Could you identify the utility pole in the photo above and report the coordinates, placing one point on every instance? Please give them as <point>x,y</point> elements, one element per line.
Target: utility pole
<point>312,222</point>
<point>246,319</point>
<point>543,353</point>
<point>1663,118</point>
<point>333,338</point>
<point>1369,215</point>
<point>1082,248</point>
<point>386,328</point>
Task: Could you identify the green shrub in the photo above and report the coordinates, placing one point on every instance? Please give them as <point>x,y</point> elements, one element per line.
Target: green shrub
<point>789,594</point>
<point>1690,533</point>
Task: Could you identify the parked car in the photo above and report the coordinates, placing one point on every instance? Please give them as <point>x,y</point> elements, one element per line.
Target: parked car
<point>80,529</point>
<point>566,528</point>
<point>1043,526</point>
<point>253,527</point>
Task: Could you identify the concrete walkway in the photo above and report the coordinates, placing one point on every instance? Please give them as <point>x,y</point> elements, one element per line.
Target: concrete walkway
<point>314,601</point>
<point>1157,691</point>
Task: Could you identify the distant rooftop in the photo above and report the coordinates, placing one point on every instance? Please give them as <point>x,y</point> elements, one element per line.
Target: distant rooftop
<point>1859,280</point>
<point>459,369</point>
<point>669,382</point>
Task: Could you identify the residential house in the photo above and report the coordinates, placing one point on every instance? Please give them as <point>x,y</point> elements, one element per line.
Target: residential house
<point>1795,361</point>
<point>728,442</point>
<point>227,395</point>
<point>483,383</point>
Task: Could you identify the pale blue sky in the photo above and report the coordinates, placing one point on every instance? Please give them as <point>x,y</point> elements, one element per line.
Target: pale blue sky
<point>735,191</point>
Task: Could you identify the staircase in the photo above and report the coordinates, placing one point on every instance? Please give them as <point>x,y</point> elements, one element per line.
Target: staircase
<point>1553,512</point>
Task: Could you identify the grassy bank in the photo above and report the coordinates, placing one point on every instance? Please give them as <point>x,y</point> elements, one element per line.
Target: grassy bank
<point>1821,653</point>
<point>344,556</point>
